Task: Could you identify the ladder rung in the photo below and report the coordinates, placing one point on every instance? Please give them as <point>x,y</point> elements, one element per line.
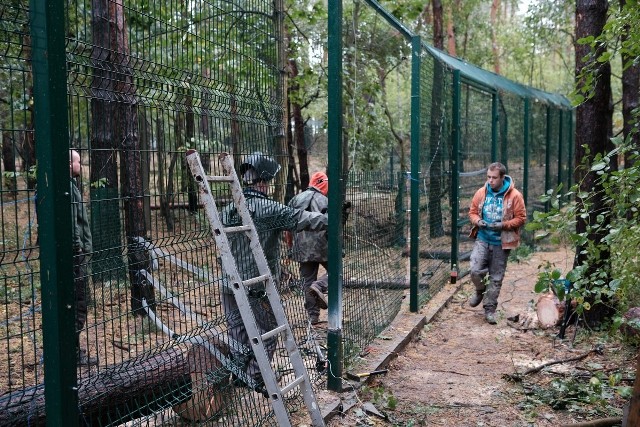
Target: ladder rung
<point>291,385</point>
<point>212,178</point>
<point>237,229</point>
<point>256,280</point>
<point>273,332</point>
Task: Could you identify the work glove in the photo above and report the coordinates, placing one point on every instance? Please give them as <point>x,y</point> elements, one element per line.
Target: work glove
<point>495,226</point>
<point>482,223</point>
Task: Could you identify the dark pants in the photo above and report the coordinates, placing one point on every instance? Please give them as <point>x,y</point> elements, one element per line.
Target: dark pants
<point>265,320</point>
<point>80,282</point>
<point>309,273</point>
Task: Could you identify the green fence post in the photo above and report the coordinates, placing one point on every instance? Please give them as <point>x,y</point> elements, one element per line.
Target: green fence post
<point>54,207</point>
<point>560,149</point>
<point>525,176</point>
<point>547,157</point>
<point>455,160</point>
<point>495,122</point>
<point>334,135</point>
<point>416,60</point>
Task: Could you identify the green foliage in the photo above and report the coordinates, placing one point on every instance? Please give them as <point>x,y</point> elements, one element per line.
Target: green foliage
<point>618,225</point>
<point>575,394</point>
<point>380,396</point>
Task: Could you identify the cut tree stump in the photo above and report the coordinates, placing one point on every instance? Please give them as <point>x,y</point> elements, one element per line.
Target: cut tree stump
<point>206,399</point>
<point>550,310</point>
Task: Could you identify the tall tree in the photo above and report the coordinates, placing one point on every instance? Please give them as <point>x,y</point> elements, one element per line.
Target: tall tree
<point>436,228</point>
<point>103,172</point>
<point>495,49</point>
<point>630,77</point>
<point>593,136</point>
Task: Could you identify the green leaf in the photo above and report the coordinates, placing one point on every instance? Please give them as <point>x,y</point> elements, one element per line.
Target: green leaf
<point>540,286</point>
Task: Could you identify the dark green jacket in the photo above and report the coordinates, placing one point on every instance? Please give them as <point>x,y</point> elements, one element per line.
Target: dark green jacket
<point>270,219</point>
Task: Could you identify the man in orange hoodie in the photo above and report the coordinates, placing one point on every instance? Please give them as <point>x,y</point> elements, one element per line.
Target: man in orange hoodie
<point>497,213</point>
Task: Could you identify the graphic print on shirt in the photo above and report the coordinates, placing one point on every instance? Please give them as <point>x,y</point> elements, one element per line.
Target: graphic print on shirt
<point>492,209</point>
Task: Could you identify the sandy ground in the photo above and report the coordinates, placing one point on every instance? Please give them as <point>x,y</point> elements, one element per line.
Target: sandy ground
<point>453,372</point>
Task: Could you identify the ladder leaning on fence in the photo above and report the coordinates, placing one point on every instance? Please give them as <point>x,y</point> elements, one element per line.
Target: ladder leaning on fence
<point>240,287</point>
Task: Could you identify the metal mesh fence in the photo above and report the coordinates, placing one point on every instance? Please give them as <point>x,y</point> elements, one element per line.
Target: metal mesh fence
<point>147,81</point>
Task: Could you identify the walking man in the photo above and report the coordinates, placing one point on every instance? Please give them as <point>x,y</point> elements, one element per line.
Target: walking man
<point>310,247</point>
<point>497,213</point>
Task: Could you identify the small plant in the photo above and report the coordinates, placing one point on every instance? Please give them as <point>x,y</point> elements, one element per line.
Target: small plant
<point>609,265</point>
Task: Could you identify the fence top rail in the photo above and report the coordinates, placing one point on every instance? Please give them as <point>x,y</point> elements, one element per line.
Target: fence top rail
<point>474,75</point>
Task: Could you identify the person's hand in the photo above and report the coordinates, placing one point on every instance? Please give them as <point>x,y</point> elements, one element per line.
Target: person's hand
<point>482,223</point>
<point>495,226</point>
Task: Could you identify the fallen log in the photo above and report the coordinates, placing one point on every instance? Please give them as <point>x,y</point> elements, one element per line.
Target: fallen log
<point>603,422</point>
<point>118,393</point>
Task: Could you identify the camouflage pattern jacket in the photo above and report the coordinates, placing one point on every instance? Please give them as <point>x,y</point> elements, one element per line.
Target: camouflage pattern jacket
<point>310,246</point>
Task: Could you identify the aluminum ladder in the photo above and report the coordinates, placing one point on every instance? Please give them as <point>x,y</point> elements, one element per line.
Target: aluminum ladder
<point>239,286</point>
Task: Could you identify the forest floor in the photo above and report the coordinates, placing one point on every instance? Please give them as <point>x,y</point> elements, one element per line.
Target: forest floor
<point>460,371</point>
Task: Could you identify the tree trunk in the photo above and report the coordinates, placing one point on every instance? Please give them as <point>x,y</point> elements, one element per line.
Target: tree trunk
<point>630,93</point>
<point>634,404</point>
<point>593,132</point>
<point>495,11</point>
<point>103,172</point>
<point>436,228</point>
<point>438,33</point>
<point>298,130</point>
<point>190,130</point>
<point>165,184</point>
<point>451,31</point>
<point>131,183</point>
<point>28,151</point>
<point>8,162</point>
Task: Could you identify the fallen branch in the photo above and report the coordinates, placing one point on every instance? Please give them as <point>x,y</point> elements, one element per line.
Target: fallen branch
<point>518,376</point>
<point>604,422</point>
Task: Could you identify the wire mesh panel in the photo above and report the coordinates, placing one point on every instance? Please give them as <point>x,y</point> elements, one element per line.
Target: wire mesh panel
<point>375,264</point>
<point>435,225</point>
<point>478,142</point>
<point>537,157</point>
<point>377,127</point>
<point>21,352</point>
<point>145,83</point>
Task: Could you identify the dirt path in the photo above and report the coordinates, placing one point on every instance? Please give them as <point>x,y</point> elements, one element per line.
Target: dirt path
<point>451,374</point>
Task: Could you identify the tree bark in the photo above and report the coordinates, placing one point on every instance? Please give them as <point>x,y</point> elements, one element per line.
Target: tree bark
<point>630,93</point>
<point>436,228</point>
<point>103,172</point>
<point>593,132</point>
<point>495,11</point>
<point>131,183</point>
<point>111,392</point>
<point>438,32</point>
<point>451,29</point>
<point>298,129</point>
<point>634,404</point>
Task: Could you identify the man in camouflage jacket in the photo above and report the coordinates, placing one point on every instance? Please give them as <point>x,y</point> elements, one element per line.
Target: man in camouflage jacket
<point>310,247</point>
